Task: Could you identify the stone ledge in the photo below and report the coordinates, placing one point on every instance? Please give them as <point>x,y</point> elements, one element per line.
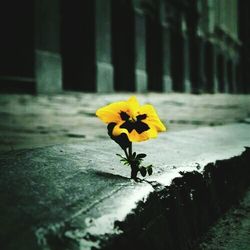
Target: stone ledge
<point>77,197</point>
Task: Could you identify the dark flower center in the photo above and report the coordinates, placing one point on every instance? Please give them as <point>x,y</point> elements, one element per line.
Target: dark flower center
<point>136,124</point>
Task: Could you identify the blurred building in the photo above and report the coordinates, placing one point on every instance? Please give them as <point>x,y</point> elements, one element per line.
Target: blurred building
<point>193,46</point>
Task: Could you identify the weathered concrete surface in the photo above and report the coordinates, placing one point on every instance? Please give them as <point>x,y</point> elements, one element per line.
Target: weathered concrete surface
<point>79,197</point>
<point>33,121</point>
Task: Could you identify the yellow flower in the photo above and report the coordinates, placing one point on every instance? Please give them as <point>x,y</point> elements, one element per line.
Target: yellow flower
<point>139,123</point>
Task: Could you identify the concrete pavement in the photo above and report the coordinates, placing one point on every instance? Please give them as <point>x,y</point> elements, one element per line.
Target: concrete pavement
<point>78,196</point>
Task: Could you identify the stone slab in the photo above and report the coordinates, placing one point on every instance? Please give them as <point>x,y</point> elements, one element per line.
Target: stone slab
<point>76,196</point>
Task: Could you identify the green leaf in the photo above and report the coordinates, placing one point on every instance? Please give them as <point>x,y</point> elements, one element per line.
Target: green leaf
<point>140,156</point>
<point>143,171</point>
<point>150,170</point>
<point>120,155</point>
<point>125,161</point>
<point>134,155</point>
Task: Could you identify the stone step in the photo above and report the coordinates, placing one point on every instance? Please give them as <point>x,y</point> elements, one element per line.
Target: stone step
<point>81,197</point>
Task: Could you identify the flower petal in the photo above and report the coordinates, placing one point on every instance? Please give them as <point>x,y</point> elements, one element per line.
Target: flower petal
<point>133,106</point>
<point>118,130</point>
<point>133,103</point>
<point>152,117</point>
<point>111,112</point>
<point>134,136</point>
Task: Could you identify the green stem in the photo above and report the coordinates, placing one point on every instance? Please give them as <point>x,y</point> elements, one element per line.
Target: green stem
<point>134,168</point>
<point>130,149</point>
<point>126,153</point>
<point>134,172</point>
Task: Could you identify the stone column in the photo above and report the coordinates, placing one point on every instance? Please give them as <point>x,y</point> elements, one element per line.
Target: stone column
<point>194,46</point>
<point>48,73</point>
<point>123,45</point>
<point>226,71</point>
<point>186,60</point>
<point>197,64</point>
<point>104,67</point>
<point>140,47</point>
<point>167,78</point>
<point>193,62</point>
<point>202,82</point>
<point>177,49</point>
<point>221,71</point>
<point>215,86</point>
<point>154,46</point>
<point>167,83</point>
<point>209,69</point>
<point>230,75</point>
<point>234,76</point>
